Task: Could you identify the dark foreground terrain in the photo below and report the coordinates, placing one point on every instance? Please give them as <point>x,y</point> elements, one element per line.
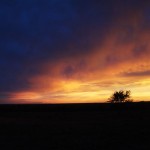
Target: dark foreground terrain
<point>75,127</point>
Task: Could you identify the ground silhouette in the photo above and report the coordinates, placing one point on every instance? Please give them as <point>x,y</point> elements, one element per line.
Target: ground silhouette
<point>104,126</point>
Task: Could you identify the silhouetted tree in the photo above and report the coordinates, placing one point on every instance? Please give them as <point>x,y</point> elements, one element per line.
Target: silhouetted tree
<point>120,97</point>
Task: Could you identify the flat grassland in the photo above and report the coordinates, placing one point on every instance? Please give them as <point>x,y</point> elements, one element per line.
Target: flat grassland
<point>75,126</point>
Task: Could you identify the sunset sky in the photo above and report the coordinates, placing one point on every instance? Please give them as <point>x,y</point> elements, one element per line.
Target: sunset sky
<point>73,51</point>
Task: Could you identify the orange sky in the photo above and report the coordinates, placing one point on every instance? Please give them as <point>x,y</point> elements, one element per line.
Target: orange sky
<point>116,64</point>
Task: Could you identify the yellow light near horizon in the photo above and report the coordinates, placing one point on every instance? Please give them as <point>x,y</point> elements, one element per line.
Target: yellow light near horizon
<point>73,91</point>
<point>70,85</point>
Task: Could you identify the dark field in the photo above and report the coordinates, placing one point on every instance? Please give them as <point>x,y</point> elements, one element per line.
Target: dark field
<point>75,127</point>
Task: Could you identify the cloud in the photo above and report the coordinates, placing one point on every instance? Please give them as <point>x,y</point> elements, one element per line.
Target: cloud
<point>46,43</point>
<point>137,74</point>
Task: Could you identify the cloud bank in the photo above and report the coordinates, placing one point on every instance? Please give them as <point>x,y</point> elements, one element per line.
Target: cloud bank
<point>71,50</point>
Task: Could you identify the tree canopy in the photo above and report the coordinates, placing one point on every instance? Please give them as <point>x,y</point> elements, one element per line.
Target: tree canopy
<point>120,97</point>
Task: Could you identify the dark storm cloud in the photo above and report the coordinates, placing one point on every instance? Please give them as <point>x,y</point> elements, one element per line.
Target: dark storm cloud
<point>36,31</point>
<point>4,98</point>
<point>29,33</point>
<point>33,32</point>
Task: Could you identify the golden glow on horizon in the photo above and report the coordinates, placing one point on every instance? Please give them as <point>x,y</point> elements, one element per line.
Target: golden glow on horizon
<point>77,92</point>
